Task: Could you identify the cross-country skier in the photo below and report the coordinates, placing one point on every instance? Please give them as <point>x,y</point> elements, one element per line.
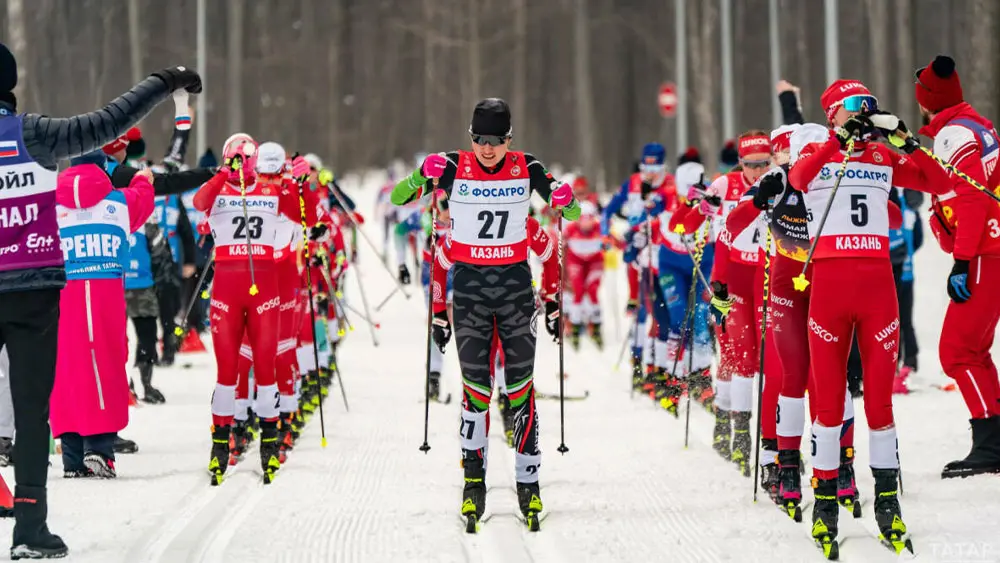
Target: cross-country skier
<point>244,217</point>
<point>967,226</point>
<point>584,271</point>
<point>488,190</point>
<point>852,293</point>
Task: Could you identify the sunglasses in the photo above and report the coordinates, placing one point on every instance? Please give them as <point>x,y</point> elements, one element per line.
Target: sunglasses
<point>756,163</point>
<point>491,140</point>
<point>652,168</point>
<point>860,103</point>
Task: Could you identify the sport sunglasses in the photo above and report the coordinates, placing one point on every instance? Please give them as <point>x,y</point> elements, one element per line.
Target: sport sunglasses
<point>860,103</point>
<point>756,163</point>
<point>491,140</point>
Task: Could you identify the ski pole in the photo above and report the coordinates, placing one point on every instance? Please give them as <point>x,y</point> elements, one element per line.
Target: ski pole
<point>181,329</point>
<point>329,344</point>
<point>763,339</point>
<point>562,373</point>
<point>699,252</point>
<point>800,282</point>
<point>246,226</point>
<point>650,290</point>
<point>425,447</point>
<point>361,314</point>
<point>378,308</point>
<point>364,236</point>
<point>312,307</point>
<point>367,316</point>
<point>621,352</point>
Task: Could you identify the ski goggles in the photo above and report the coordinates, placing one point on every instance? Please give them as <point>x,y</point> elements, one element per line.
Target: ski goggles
<point>652,168</point>
<point>491,140</point>
<point>860,103</point>
<point>766,163</point>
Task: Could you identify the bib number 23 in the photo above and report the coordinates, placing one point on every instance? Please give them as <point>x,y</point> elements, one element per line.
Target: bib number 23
<point>487,218</point>
<point>252,226</point>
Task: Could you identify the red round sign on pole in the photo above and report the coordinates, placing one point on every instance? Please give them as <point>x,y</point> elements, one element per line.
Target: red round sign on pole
<point>667,99</point>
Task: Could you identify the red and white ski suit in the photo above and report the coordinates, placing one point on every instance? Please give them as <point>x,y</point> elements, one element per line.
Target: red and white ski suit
<point>584,270</point>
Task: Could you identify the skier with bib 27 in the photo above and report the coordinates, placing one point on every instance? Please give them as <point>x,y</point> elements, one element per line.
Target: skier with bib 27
<point>489,190</point>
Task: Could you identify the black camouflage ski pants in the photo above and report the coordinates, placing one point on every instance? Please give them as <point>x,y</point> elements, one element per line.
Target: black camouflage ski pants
<point>502,297</point>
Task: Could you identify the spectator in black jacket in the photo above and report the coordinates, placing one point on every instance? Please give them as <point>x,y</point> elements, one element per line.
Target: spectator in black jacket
<point>32,272</point>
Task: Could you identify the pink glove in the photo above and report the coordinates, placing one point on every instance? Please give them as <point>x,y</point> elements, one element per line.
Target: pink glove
<point>300,168</point>
<point>696,192</point>
<point>433,166</point>
<point>561,196</point>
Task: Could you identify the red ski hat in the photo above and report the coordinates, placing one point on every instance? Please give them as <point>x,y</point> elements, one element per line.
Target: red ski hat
<point>119,144</point>
<point>937,86</point>
<point>834,95</point>
<point>754,144</point>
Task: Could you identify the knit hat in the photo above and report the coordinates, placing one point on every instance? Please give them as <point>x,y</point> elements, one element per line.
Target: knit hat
<point>121,142</point>
<point>654,154</point>
<point>208,160</point>
<point>937,86</point>
<point>730,156</point>
<point>491,117</point>
<point>690,155</point>
<point>136,148</point>
<point>93,157</point>
<point>8,75</point>
<point>781,137</point>
<point>834,95</point>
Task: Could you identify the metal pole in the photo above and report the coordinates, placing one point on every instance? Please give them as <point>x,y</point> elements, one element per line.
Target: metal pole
<point>775,45</point>
<point>832,35</point>
<point>201,120</point>
<point>728,107</point>
<point>682,90</point>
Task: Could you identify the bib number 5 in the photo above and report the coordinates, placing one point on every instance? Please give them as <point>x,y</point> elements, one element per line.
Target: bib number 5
<point>487,218</point>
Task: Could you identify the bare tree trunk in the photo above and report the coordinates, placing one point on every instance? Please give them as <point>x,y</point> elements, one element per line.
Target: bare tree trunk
<point>334,78</point>
<point>430,102</point>
<point>475,54</point>
<point>17,37</point>
<point>905,106</point>
<point>700,26</point>
<point>134,41</point>
<point>520,94</point>
<point>878,22</point>
<point>234,64</point>
<point>979,73</point>
<point>587,148</point>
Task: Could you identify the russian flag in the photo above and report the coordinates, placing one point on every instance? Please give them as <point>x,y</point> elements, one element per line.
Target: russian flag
<point>8,149</point>
<point>182,122</point>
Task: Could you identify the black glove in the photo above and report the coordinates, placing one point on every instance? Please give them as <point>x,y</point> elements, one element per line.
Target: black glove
<point>769,187</point>
<point>441,330</point>
<point>647,189</point>
<point>322,303</point>
<point>857,127</point>
<point>552,321</point>
<point>958,282</point>
<point>404,274</point>
<point>180,77</point>
<point>315,261</point>
<point>317,231</point>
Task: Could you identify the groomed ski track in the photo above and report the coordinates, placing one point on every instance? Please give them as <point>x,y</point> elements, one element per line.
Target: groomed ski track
<point>626,491</point>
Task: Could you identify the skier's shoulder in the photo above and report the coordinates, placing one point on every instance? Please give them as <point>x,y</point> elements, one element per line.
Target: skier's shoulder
<point>953,138</point>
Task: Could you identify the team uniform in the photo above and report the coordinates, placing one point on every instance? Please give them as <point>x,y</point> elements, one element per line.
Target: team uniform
<point>584,270</point>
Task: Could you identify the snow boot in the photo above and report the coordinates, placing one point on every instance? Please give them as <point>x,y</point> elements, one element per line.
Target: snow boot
<point>100,466</point>
<point>125,446</point>
<point>473,493</point>
<point>888,514</point>
<point>985,454</point>
<point>530,501</point>
<point>6,451</point>
<point>219,457</point>
<point>151,395</point>
<point>270,449</point>
<point>847,488</point>
<point>722,435</point>
<point>741,442</point>
<point>169,349</point>
<point>32,538</point>
<point>825,517</point>
<point>790,483</point>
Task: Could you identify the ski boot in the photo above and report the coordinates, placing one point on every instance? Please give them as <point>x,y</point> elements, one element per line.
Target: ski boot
<point>769,468</point>
<point>741,442</point>
<point>574,335</point>
<point>847,488</point>
<point>507,418</point>
<point>100,466</point>
<point>270,461</point>
<point>985,454</point>
<point>32,538</point>
<point>530,501</point>
<point>790,483</point>
<point>404,274</point>
<point>638,378</point>
<point>6,451</point>
<point>473,494</point>
<point>888,515</point>
<point>220,454</point>
<point>700,388</point>
<point>722,435</point>
<point>649,381</point>
<point>596,336</point>
<point>285,442</point>
<point>151,395</point>
<point>434,385</point>
<point>297,425</point>
<point>668,392</point>
<point>239,439</point>
<point>824,517</point>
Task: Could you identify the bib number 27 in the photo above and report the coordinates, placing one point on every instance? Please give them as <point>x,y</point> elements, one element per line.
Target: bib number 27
<point>487,218</point>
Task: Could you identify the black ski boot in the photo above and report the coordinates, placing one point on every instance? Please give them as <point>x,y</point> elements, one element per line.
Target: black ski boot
<point>434,385</point>
<point>6,451</point>
<point>722,436</point>
<point>888,515</point>
<point>151,395</point>
<point>667,392</point>
<point>574,335</point>
<point>529,499</point>
<point>769,469</point>
<point>507,418</point>
<point>285,442</point>
<point>238,441</point>
<point>596,336</point>
<point>985,454</point>
<point>824,517</point>
<point>741,442</point>
<point>700,388</point>
<point>32,538</point>
<point>125,446</point>
<point>638,377</point>
<point>790,483</point>
<point>847,488</point>
<point>219,459</point>
<point>270,450</point>
<point>474,494</point>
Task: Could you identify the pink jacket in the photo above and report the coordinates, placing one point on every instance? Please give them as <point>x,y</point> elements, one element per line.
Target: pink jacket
<point>91,391</point>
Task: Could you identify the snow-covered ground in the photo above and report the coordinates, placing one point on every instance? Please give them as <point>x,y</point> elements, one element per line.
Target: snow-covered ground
<point>627,490</point>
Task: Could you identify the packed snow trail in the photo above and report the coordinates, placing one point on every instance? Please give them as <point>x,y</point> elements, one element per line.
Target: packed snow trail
<point>626,491</point>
